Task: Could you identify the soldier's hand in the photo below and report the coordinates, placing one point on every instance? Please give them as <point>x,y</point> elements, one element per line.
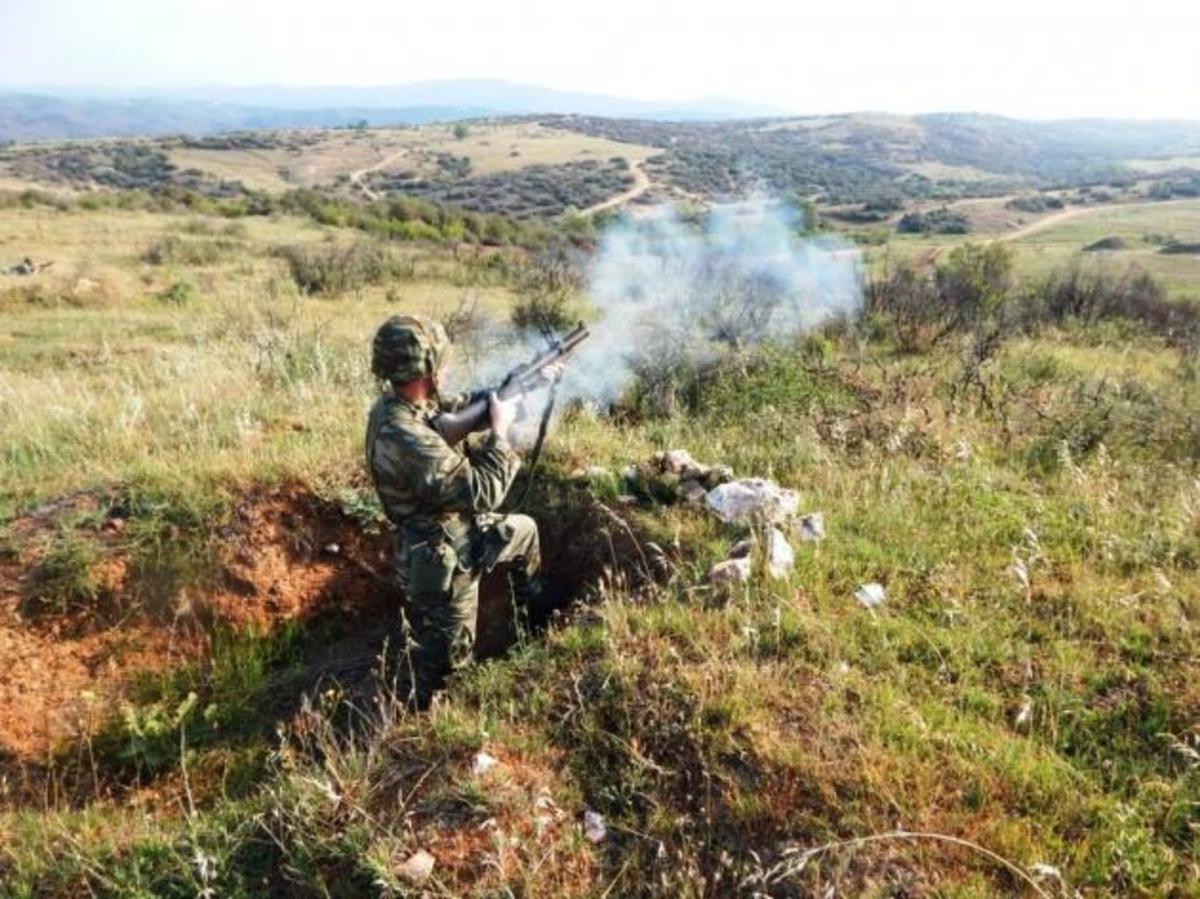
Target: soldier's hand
<point>502,414</point>
<point>552,372</point>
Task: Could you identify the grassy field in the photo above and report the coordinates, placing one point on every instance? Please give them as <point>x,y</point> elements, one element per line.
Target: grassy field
<point>491,149</point>
<point>188,538</point>
<point>1057,240</point>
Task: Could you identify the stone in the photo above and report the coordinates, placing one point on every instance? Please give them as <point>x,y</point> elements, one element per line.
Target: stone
<point>594,827</point>
<point>753,500</point>
<point>811,527</point>
<point>418,868</point>
<point>677,461</point>
<point>692,492</point>
<point>870,596</point>
<point>482,763</point>
<point>742,549</point>
<point>731,571</point>
<point>717,475</point>
<point>781,558</point>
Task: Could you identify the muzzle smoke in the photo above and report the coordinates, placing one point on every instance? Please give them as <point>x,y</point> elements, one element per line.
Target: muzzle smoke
<point>667,291</point>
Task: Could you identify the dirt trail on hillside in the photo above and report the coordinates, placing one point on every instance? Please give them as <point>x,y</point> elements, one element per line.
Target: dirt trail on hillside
<point>641,184</point>
<point>1057,218</point>
<point>356,177</point>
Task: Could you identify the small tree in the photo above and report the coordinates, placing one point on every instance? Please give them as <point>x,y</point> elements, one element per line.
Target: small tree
<point>461,130</point>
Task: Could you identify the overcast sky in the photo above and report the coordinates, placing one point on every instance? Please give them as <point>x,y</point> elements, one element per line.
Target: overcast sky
<point>1041,59</point>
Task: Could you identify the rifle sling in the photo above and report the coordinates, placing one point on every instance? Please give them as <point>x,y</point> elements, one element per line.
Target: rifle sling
<point>535,455</point>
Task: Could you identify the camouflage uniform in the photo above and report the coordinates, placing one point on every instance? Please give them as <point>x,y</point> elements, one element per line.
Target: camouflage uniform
<point>441,500</point>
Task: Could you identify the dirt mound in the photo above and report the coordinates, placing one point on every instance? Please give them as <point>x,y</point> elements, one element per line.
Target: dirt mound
<point>1106,244</point>
<point>1181,248</point>
<point>284,556</point>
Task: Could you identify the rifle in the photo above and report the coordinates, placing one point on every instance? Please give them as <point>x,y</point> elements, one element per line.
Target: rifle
<point>455,426</point>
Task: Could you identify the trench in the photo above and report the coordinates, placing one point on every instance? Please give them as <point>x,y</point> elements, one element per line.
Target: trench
<point>303,585</point>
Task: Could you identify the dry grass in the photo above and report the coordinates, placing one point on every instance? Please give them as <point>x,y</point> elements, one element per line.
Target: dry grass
<point>1026,697</point>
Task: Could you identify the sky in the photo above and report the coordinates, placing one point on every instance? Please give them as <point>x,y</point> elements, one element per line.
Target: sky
<point>1042,59</point>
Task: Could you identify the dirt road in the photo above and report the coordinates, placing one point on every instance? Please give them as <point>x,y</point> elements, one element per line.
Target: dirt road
<point>1051,220</point>
<point>356,177</point>
<point>641,184</point>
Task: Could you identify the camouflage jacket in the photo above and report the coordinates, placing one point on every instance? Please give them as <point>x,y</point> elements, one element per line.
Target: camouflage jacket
<point>426,486</point>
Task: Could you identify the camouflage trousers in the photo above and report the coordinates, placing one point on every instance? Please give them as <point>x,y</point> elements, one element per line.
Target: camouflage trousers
<point>441,581</point>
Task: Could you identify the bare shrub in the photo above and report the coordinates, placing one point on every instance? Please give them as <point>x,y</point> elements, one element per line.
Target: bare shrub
<point>334,269</point>
<point>546,287</point>
<point>176,250</point>
<point>923,306</point>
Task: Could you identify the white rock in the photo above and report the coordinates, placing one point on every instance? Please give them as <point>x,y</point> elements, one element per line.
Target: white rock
<point>731,571</point>
<point>1041,871</point>
<point>962,451</point>
<point>593,826</point>
<point>812,527</point>
<point>482,763</point>
<point>753,500</point>
<point>870,596</point>
<point>418,867</point>
<point>781,558</point>
<point>679,461</point>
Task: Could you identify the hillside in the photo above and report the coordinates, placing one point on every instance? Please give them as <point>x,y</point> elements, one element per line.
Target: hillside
<point>977,675</point>
<point>863,171</point>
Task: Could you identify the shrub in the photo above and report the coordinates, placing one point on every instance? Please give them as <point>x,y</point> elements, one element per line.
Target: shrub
<point>1105,244</point>
<point>923,307</point>
<point>1181,248</point>
<point>936,221</point>
<point>176,250</point>
<point>1089,296</point>
<point>335,269</point>
<point>546,287</point>
<point>178,293</point>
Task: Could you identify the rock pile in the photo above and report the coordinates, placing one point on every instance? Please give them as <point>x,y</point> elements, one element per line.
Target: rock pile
<point>674,476</point>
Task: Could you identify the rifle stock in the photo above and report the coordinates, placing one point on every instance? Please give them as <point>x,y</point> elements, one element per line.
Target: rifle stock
<point>456,426</point>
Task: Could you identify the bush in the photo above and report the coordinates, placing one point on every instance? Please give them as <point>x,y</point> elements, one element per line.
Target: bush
<point>936,221</point>
<point>1089,296</point>
<point>1036,203</point>
<point>176,250</point>
<point>924,307</point>
<point>546,287</point>
<point>178,293</point>
<point>334,269</point>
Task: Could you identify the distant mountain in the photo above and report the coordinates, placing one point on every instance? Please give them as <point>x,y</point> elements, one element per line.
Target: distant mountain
<point>501,97</point>
<point>36,117</point>
<point>55,113</point>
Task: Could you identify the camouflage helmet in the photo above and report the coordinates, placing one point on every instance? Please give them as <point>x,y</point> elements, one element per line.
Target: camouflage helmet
<point>408,347</point>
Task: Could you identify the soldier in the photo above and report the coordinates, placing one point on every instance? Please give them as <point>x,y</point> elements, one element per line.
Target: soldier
<point>442,500</point>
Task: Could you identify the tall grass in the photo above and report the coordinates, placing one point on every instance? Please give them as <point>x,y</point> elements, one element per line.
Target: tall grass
<point>1019,717</point>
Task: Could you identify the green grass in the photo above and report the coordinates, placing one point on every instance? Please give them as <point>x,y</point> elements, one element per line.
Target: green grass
<point>1050,721</point>
<point>1143,226</point>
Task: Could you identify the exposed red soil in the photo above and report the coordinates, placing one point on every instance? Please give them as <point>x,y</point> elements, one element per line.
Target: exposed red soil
<point>527,830</point>
<point>284,557</point>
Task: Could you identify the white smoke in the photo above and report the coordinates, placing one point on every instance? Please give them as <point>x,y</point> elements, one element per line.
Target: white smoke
<point>664,288</point>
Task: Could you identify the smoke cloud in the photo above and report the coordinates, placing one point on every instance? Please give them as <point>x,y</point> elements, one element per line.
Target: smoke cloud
<point>668,290</point>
